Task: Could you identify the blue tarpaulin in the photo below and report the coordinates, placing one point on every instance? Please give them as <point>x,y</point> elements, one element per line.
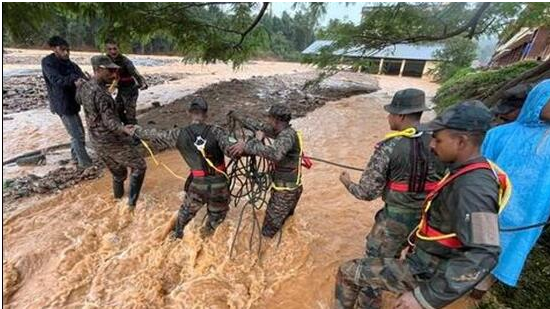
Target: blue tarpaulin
<point>522,150</point>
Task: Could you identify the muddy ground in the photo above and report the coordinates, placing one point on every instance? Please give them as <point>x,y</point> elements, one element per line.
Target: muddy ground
<point>28,92</point>
<point>251,96</point>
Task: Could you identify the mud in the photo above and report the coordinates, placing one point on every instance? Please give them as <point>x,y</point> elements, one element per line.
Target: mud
<point>23,93</point>
<point>80,248</point>
<point>251,95</point>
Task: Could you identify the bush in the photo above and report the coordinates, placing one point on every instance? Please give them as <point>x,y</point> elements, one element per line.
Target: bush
<point>534,285</point>
<point>466,84</point>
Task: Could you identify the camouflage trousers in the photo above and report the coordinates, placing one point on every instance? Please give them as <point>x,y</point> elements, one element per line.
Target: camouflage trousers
<point>118,158</point>
<point>359,283</point>
<point>214,194</point>
<point>281,205</point>
<point>126,101</point>
<point>388,236</point>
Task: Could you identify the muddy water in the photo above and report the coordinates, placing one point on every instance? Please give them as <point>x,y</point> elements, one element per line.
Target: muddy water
<point>80,248</point>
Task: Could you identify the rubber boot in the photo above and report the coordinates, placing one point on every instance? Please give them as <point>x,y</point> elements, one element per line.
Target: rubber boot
<point>118,188</point>
<point>135,187</point>
<point>207,230</point>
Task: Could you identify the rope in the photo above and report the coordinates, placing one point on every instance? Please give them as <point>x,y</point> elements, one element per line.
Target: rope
<point>157,162</point>
<point>527,227</point>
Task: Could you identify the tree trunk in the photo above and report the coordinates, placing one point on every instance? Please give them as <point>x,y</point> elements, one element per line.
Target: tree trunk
<point>536,74</point>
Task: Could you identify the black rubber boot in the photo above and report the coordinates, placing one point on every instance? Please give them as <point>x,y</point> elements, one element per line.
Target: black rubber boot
<point>135,187</point>
<point>118,188</point>
<point>183,218</point>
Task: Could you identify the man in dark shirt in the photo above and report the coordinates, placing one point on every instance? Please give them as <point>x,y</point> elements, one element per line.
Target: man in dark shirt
<point>457,240</point>
<point>63,77</point>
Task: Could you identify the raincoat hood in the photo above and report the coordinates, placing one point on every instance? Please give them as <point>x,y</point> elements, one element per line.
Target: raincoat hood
<point>535,102</point>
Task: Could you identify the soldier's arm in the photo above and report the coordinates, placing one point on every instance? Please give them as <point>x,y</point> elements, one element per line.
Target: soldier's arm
<point>476,225</point>
<point>167,138</point>
<point>134,72</point>
<point>373,180</point>
<point>274,152</point>
<point>53,75</point>
<point>254,124</point>
<point>223,138</point>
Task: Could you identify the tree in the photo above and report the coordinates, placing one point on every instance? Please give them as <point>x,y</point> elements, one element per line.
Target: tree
<point>387,24</point>
<point>207,32</point>
<point>458,53</point>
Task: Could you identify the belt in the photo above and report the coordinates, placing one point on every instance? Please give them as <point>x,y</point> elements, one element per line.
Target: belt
<point>202,173</point>
<point>404,187</point>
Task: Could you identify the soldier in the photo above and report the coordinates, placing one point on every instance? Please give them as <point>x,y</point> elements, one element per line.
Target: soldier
<point>457,241</point>
<point>402,170</point>
<point>285,152</point>
<point>128,80</point>
<point>202,146</point>
<point>108,134</point>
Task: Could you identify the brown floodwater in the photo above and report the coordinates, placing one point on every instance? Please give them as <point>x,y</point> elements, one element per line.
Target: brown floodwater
<point>82,249</point>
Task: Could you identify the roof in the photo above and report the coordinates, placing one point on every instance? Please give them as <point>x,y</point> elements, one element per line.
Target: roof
<point>397,51</point>
<point>524,35</point>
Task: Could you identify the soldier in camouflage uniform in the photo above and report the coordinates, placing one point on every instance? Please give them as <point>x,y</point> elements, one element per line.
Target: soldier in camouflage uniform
<point>129,83</point>
<point>108,134</point>
<point>207,182</point>
<point>284,152</point>
<point>402,170</point>
<point>457,243</point>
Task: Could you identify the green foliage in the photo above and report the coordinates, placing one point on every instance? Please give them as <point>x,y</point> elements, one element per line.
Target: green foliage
<point>201,32</point>
<point>534,285</point>
<point>458,53</point>
<point>385,24</point>
<point>475,85</point>
<point>205,32</point>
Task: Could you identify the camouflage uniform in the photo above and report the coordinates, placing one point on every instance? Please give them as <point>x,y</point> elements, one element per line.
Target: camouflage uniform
<point>109,141</point>
<point>392,162</point>
<point>398,160</point>
<point>128,89</point>
<point>212,188</point>
<point>284,152</point>
<point>436,273</point>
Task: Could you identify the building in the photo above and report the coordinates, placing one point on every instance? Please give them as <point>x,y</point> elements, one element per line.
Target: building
<point>400,59</point>
<point>527,44</point>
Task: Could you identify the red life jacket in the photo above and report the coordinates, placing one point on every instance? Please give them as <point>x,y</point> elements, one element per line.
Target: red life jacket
<point>426,232</point>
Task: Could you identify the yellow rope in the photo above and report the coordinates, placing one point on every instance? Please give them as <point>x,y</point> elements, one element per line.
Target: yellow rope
<point>157,162</point>
<point>410,132</point>
<point>212,164</point>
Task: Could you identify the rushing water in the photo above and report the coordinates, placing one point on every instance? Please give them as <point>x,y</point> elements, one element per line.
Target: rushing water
<point>81,248</point>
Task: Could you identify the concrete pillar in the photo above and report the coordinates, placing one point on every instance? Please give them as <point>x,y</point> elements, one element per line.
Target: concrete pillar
<point>402,67</point>
<point>381,66</point>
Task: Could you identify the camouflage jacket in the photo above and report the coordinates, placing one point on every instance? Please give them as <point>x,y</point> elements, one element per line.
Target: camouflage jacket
<point>128,72</point>
<point>284,151</point>
<point>217,143</point>
<point>392,162</point>
<point>468,206</point>
<point>103,122</point>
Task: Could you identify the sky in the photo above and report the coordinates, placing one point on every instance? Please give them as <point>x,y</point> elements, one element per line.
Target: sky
<point>335,10</point>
